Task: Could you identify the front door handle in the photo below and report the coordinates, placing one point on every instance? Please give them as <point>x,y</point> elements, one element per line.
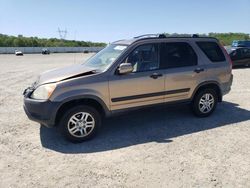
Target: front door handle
<point>198,70</point>
<point>155,75</point>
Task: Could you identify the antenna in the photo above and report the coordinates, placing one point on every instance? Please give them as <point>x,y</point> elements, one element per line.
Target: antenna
<point>62,33</point>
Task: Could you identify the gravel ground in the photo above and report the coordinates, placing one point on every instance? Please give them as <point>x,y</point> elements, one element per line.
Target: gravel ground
<point>154,148</point>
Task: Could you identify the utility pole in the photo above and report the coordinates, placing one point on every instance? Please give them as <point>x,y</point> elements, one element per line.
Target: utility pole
<point>62,33</point>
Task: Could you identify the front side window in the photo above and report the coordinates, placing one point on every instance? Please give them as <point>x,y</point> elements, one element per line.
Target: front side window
<point>177,54</point>
<point>144,58</point>
<point>103,59</point>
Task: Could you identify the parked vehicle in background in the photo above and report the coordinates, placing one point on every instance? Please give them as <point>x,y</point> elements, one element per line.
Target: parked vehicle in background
<point>130,74</point>
<point>18,52</point>
<point>241,43</point>
<point>240,56</point>
<point>45,51</point>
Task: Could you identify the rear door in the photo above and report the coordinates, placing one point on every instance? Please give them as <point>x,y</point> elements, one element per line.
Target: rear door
<point>182,71</point>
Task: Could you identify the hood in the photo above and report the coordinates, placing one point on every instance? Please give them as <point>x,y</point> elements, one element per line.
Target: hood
<point>65,73</point>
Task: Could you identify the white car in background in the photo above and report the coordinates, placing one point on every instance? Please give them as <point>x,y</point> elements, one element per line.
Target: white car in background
<point>18,52</point>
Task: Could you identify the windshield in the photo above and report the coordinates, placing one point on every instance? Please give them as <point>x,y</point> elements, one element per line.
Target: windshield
<point>241,44</point>
<point>235,43</point>
<point>103,59</point>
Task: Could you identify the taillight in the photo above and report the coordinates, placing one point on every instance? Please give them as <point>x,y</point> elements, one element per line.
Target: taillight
<point>228,56</point>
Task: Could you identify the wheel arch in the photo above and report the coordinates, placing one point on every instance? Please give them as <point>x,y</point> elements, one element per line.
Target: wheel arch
<point>90,100</point>
<point>209,84</point>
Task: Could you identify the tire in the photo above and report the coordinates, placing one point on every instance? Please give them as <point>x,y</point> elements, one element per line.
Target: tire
<point>80,123</point>
<point>205,102</point>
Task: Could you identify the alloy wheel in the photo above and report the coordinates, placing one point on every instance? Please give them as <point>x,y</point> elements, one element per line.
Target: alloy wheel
<point>81,124</point>
<point>206,103</point>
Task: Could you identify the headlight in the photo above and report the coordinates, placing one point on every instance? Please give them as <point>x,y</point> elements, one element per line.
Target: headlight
<point>43,92</point>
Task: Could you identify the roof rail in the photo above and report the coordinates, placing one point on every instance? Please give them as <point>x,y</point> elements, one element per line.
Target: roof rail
<point>164,36</point>
<point>150,36</point>
<point>118,40</point>
<point>159,36</point>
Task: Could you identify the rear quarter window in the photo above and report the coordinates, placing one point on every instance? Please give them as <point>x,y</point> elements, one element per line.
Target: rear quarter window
<point>212,51</point>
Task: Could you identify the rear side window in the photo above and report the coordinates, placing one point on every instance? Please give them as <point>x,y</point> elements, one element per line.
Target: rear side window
<point>177,54</point>
<point>212,51</point>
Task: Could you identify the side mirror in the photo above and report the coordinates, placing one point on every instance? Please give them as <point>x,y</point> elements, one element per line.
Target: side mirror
<point>125,68</point>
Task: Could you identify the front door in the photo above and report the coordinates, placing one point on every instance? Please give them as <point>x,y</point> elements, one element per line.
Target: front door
<point>144,86</point>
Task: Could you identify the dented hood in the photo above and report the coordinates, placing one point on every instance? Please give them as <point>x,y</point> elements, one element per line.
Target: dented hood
<point>65,73</point>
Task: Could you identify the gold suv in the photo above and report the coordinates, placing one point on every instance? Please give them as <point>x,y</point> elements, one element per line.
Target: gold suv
<point>130,74</point>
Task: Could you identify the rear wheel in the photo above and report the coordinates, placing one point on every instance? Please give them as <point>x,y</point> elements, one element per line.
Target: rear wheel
<point>205,102</point>
<point>80,123</point>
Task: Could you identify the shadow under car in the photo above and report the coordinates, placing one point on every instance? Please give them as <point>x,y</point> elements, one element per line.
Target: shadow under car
<point>150,125</point>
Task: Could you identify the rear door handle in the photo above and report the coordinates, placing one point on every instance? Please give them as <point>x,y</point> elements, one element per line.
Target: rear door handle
<point>198,70</point>
<point>155,75</point>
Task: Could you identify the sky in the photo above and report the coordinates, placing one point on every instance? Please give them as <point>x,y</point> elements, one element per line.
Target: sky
<point>110,20</point>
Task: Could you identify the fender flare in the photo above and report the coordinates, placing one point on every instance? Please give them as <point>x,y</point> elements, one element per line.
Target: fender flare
<point>207,83</point>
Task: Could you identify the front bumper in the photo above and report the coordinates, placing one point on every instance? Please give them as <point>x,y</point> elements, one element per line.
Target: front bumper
<point>41,111</point>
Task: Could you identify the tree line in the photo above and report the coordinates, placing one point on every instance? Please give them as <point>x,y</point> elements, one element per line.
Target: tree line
<point>21,41</point>
<point>227,38</point>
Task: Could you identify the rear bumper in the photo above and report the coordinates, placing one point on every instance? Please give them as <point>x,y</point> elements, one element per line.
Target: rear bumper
<point>43,112</point>
<point>226,87</point>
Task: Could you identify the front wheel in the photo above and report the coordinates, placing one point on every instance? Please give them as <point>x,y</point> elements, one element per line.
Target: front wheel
<point>80,123</point>
<point>205,102</point>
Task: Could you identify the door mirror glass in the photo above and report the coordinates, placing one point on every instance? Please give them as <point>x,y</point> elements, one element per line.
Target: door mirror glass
<point>125,68</point>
